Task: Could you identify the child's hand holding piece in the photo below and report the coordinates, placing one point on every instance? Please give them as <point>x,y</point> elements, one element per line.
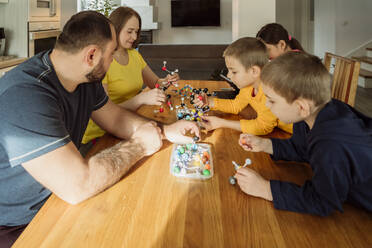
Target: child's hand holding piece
<point>252,183</point>
<point>254,143</point>
<point>203,100</point>
<point>211,122</point>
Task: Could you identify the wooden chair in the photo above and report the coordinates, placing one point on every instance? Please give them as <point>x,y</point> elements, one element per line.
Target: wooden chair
<point>345,77</point>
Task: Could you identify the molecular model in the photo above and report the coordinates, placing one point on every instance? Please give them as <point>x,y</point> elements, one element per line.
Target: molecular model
<point>192,161</point>
<point>164,68</point>
<point>232,179</point>
<point>187,92</point>
<point>183,112</point>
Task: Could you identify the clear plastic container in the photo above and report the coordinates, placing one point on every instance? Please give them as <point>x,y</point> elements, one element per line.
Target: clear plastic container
<point>192,161</point>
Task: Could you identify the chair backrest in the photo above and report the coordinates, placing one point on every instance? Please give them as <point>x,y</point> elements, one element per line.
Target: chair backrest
<point>345,77</point>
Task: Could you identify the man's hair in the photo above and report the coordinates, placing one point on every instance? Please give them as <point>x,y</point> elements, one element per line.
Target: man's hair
<point>120,16</point>
<point>83,29</point>
<point>248,51</point>
<point>298,75</point>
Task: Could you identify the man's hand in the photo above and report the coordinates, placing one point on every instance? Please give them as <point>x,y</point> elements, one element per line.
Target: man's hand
<point>176,132</point>
<point>252,183</point>
<point>212,122</point>
<point>149,135</point>
<point>253,143</point>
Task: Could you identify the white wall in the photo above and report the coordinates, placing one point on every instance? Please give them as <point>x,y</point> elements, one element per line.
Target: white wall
<point>353,24</point>
<point>13,17</point>
<point>250,15</point>
<point>295,16</point>
<point>191,35</point>
<point>341,26</point>
<point>68,8</point>
<point>285,14</point>
<point>324,27</point>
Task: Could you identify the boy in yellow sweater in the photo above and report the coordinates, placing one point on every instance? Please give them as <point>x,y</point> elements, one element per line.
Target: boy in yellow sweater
<point>244,59</point>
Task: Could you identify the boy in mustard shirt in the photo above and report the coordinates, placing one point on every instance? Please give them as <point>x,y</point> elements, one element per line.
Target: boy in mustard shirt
<point>244,59</point>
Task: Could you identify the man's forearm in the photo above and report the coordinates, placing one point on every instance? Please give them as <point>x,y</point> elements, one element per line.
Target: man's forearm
<point>132,104</point>
<point>128,123</point>
<point>108,166</point>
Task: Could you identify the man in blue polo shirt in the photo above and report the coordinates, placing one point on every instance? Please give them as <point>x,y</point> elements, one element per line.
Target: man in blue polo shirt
<point>45,105</point>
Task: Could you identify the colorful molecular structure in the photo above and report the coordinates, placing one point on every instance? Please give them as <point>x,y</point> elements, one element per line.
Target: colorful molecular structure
<point>183,112</point>
<point>192,161</point>
<point>232,179</point>
<point>190,114</point>
<point>169,103</point>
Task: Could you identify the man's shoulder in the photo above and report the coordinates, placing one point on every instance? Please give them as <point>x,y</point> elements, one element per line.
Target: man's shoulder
<point>29,72</point>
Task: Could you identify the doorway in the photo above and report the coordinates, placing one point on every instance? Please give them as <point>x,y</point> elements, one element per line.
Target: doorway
<point>297,16</point>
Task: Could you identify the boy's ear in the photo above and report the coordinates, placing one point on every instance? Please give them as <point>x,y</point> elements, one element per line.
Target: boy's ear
<point>256,71</point>
<point>303,107</point>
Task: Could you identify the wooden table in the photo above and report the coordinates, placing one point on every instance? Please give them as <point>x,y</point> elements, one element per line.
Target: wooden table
<point>151,208</point>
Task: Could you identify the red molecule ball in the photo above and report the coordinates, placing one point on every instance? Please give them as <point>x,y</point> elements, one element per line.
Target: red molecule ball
<point>161,110</point>
<point>164,68</point>
<point>157,85</point>
<point>200,98</point>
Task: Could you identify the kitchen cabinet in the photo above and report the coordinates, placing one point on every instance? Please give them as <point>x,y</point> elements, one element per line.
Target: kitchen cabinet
<point>4,70</point>
<point>7,65</point>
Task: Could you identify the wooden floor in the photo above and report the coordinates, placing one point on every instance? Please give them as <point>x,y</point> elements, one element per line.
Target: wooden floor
<point>363,101</point>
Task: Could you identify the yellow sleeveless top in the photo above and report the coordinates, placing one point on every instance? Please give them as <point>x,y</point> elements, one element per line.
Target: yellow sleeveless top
<point>123,82</point>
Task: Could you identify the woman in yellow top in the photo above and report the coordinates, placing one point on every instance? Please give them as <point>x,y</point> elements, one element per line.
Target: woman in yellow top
<point>244,59</point>
<point>128,71</point>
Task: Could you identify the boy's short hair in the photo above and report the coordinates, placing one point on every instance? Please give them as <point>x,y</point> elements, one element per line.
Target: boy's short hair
<point>249,51</point>
<point>83,29</point>
<point>296,75</point>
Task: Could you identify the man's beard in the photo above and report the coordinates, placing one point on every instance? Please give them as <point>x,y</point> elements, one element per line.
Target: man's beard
<point>97,74</point>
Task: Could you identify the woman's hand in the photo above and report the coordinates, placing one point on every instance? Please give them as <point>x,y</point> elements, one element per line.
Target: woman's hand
<point>169,78</point>
<point>172,78</point>
<point>152,97</point>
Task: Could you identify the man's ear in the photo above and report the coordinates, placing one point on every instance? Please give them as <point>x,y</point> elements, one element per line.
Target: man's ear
<point>91,55</point>
<point>303,107</point>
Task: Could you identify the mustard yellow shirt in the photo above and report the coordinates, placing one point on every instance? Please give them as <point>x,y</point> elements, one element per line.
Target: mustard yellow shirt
<point>123,82</point>
<point>265,122</point>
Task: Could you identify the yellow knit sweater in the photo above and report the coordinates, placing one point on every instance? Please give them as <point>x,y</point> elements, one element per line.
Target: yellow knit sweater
<point>265,121</point>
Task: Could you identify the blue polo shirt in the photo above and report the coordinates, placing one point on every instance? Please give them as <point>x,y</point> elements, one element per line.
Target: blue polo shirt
<point>37,116</point>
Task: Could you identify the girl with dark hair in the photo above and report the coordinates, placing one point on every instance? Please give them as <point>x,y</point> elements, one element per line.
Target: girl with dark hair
<point>128,72</point>
<point>277,40</point>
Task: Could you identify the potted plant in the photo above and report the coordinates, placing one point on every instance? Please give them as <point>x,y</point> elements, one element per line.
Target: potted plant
<point>102,6</point>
